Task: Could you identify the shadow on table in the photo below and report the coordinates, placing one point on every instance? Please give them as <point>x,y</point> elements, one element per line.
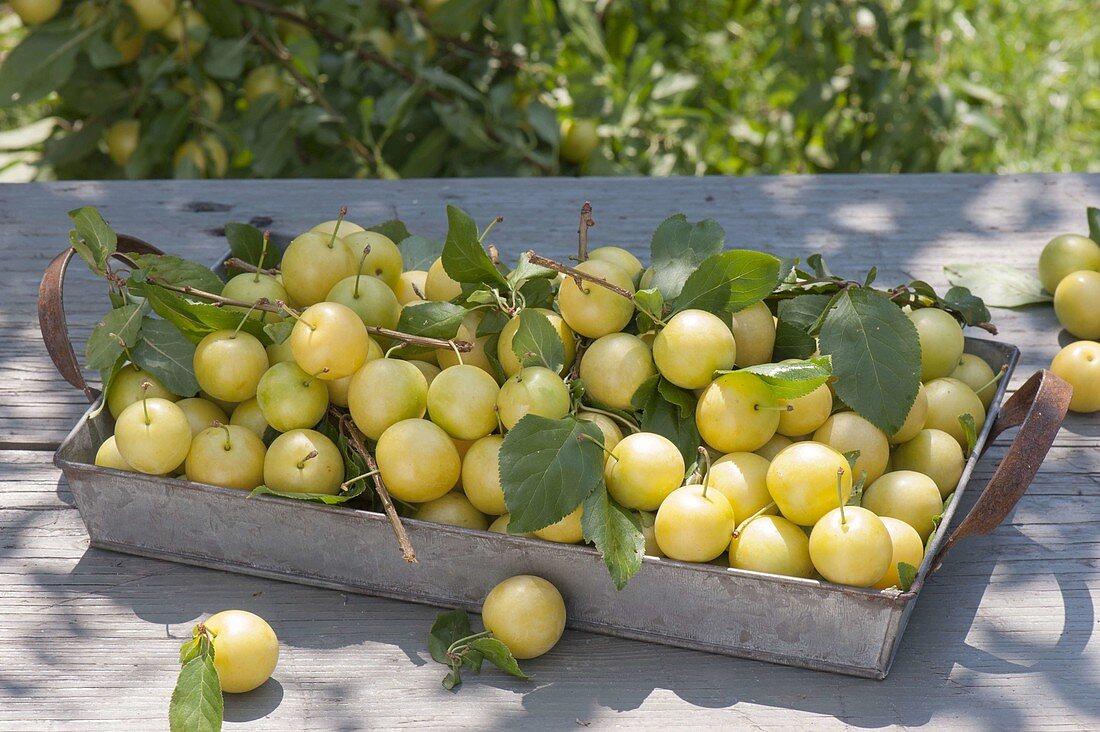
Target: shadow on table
<point>588,675</point>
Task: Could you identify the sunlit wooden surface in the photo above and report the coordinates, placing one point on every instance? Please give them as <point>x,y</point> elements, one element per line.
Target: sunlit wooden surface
<point>1002,637</point>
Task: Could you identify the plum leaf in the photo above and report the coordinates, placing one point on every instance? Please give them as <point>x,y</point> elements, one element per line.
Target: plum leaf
<point>795,378</point>
<point>496,653</point>
<point>876,356</point>
<point>729,281</point>
<point>998,285</point>
<point>678,248</point>
<point>547,468</point>
<point>537,343</point>
<point>617,534</point>
<point>419,252</point>
<point>92,238</point>
<point>105,344</point>
<point>464,259</point>
<point>196,704</point>
<point>165,353</point>
<point>394,229</point>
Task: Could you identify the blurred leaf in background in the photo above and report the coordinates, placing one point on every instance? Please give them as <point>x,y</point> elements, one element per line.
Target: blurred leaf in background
<point>392,88</point>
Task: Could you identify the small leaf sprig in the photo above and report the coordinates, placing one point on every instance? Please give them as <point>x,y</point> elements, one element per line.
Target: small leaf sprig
<point>197,704</point>
<point>452,642</point>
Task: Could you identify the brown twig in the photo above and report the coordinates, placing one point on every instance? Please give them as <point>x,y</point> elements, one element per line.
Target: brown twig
<point>355,439</point>
<point>278,307</point>
<point>582,231</point>
<point>244,266</point>
<point>283,57</point>
<point>578,275</point>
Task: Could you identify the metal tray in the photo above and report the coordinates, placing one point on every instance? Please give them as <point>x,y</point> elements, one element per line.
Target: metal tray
<point>800,622</point>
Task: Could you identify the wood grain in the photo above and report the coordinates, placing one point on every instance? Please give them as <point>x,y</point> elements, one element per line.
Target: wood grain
<point>1002,638</point>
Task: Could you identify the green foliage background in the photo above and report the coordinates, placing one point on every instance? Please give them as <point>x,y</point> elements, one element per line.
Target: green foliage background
<point>491,87</point>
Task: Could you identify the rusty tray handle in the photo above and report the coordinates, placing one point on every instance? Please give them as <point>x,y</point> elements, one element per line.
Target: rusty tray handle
<point>51,312</point>
<point>1038,408</point>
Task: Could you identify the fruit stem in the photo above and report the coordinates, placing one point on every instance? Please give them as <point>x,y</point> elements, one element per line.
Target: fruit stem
<point>617,417</point>
<point>228,445</point>
<point>313,377</point>
<point>741,526</point>
<point>145,386</point>
<point>309,456</point>
<point>775,408</point>
<point>240,325</point>
<point>458,353</point>
<point>489,228</point>
<point>393,348</point>
<point>289,311</point>
<point>594,441</point>
<point>347,483</point>
<point>577,275</point>
<point>461,644</point>
<point>994,380</point>
<point>706,475</point>
<point>582,231</point>
<point>840,493</point>
<point>263,255</point>
<point>125,348</point>
<point>359,272</point>
<point>335,229</point>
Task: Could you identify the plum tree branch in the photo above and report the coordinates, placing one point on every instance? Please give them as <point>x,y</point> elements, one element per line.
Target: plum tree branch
<point>283,57</point>
<point>577,274</point>
<point>587,223</point>
<point>277,307</point>
<point>355,439</point>
<point>243,266</point>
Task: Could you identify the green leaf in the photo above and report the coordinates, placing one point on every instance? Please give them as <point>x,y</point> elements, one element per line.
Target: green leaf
<point>907,573</point>
<point>684,400</point>
<point>464,259</point>
<point>92,239</point>
<point>616,532</point>
<point>537,343</point>
<point>455,17</point>
<point>876,357</point>
<point>279,332</point>
<point>167,355</point>
<point>998,285</point>
<point>246,243</point>
<point>525,271</point>
<point>729,281</point>
<point>678,248</point>
<point>796,317</point>
<point>795,378</point>
<point>452,679</point>
<point>547,469</point>
<point>1093,215</point>
<point>394,229</point>
<point>431,319</point>
<point>650,305</point>
<point>969,306</point>
<point>354,491</point>
<point>42,62</point>
<point>664,417</point>
<point>970,431</point>
<point>496,653</point>
<point>191,649</point>
<point>195,319</point>
<point>179,272</point>
<point>418,252</point>
<point>447,628</point>
<point>196,704</point>
<point>224,17</point>
<point>104,346</point>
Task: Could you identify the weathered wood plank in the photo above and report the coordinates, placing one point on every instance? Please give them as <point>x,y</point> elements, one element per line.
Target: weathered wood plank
<point>1002,637</point>
<point>905,225</point>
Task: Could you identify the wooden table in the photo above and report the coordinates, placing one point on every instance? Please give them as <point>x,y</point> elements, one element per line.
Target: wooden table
<point>1002,638</point>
